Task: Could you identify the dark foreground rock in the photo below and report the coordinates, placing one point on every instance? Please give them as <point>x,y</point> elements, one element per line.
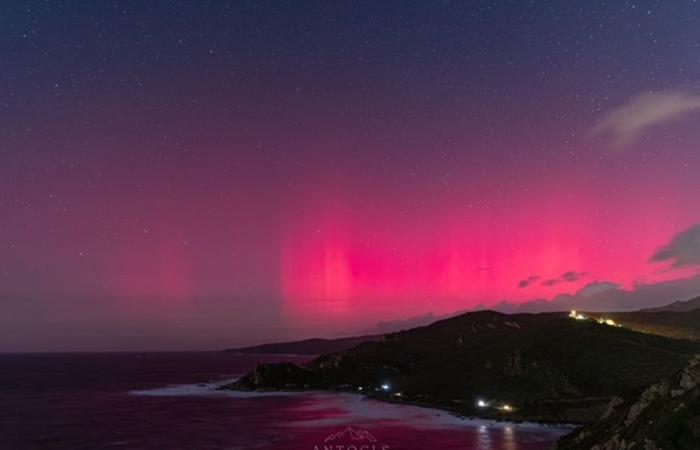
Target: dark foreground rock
<point>665,416</point>
<point>277,376</point>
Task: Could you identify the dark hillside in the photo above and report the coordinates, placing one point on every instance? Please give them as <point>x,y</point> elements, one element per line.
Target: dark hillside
<point>316,346</point>
<point>543,366</point>
<point>665,416</point>
<point>688,305</point>
<point>678,325</point>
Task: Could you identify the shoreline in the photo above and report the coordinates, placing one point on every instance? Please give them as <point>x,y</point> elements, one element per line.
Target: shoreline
<point>511,417</point>
<point>434,406</point>
<point>464,416</point>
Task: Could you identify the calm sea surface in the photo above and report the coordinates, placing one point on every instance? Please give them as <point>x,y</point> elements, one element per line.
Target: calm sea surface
<point>169,401</point>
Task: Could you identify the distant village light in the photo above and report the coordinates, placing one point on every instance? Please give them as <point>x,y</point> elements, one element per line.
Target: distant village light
<point>481,404</point>
<point>608,322</point>
<point>385,387</point>
<point>507,407</point>
<point>601,320</point>
<point>576,315</point>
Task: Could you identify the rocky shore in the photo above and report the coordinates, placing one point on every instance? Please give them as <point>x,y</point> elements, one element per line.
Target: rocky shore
<point>530,367</point>
<point>665,416</point>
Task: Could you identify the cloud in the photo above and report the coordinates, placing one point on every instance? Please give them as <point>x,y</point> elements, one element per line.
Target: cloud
<point>597,287</point>
<point>609,296</point>
<point>682,251</point>
<point>569,277</point>
<point>595,296</point>
<point>528,281</point>
<point>572,276</point>
<point>626,123</point>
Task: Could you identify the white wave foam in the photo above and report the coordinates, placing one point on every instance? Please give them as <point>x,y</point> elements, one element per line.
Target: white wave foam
<point>207,389</point>
<point>178,390</point>
<point>355,409</point>
<point>351,408</point>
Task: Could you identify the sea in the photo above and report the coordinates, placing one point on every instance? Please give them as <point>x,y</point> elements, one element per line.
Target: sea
<point>170,401</point>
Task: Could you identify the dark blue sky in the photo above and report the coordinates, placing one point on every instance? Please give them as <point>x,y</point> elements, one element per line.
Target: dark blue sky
<point>196,174</point>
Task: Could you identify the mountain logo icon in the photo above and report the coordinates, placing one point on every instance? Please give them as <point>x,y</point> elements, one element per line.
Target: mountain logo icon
<point>351,434</point>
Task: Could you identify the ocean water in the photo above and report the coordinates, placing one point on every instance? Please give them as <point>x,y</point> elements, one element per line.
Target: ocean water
<point>170,401</point>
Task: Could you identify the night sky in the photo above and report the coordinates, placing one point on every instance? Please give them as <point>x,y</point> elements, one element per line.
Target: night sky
<point>187,175</point>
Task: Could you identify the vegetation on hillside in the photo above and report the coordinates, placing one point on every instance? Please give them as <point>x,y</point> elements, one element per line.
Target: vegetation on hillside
<point>664,416</point>
<point>675,324</point>
<point>544,367</point>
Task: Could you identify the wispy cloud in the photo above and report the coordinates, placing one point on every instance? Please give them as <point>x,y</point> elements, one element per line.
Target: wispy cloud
<point>551,282</point>
<point>568,277</point>
<point>682,251</point>
<point>528,281</point>
<point>572,276</point>
<point>628,122</point>
<point>608,296</point>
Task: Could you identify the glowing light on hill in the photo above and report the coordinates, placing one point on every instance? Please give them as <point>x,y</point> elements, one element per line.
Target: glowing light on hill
<point>575,315</point>
<point>609,322</point>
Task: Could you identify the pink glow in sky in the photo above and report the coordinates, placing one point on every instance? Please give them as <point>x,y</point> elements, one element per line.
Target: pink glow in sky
<point>455,256</point>
<point>219,175</point>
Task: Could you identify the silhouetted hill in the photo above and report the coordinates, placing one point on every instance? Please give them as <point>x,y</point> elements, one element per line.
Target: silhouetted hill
<point>678,325</point>
<point>685,306</point>
<point>314,346</point>
<point>545,367</point>
<point>665,416</point>
<point>679,320</point>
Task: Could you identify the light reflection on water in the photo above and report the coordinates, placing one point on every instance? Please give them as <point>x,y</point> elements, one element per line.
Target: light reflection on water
<point>170,402</point>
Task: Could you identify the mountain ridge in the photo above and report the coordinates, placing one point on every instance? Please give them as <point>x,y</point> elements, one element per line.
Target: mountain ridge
<point>669,320</point>
<point>544,367</point>
<point>312,346</point>
<point>678,306</point>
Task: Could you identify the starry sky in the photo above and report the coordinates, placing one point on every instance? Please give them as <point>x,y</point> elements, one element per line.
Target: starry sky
<point>188,175</point>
